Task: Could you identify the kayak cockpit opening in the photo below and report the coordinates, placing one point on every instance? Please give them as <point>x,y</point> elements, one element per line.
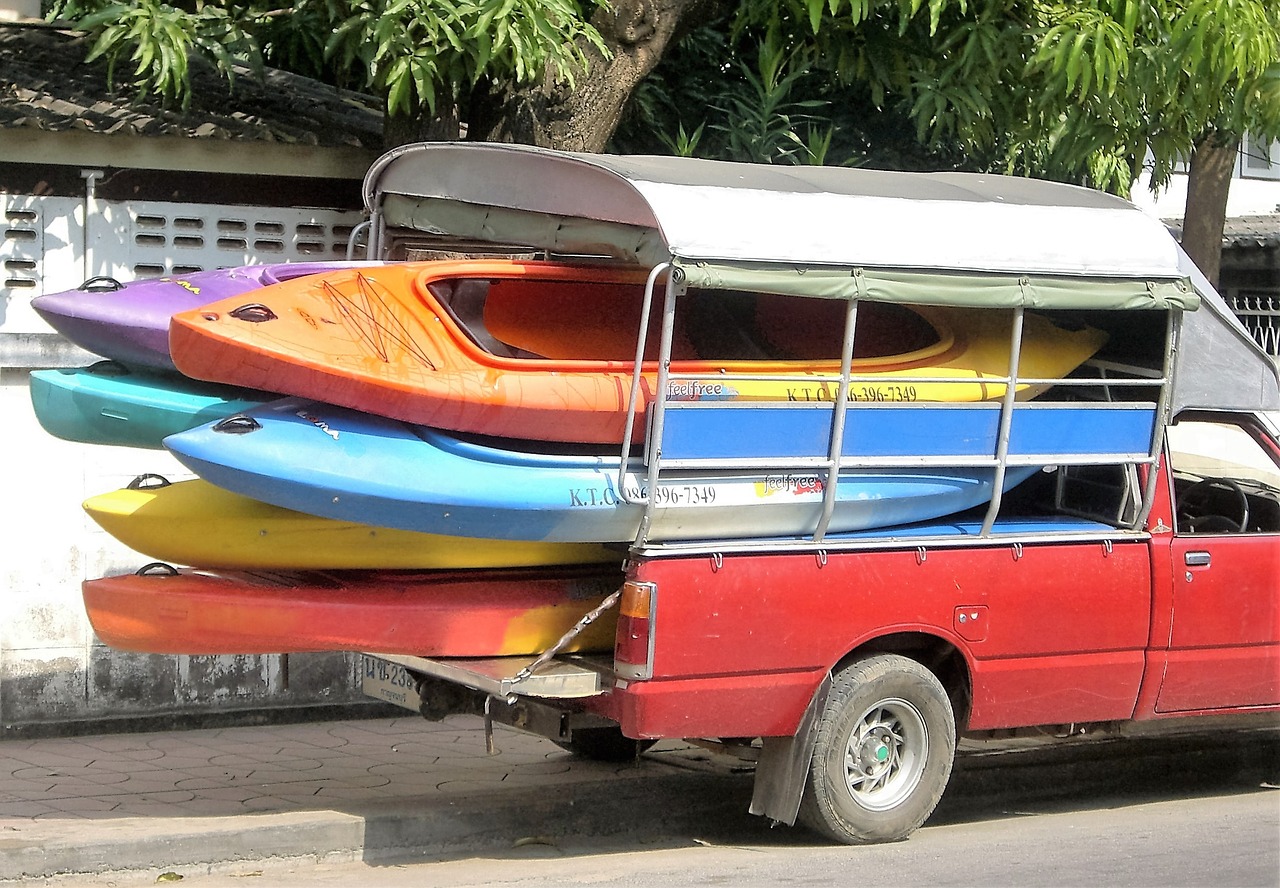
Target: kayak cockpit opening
<point>599,321</point>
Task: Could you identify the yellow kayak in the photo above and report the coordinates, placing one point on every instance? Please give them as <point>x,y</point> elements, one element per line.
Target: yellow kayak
<point>195,523</point>
<point>969,349</point>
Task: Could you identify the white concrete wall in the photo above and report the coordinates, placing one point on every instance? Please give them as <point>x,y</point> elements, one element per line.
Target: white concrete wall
<point>1254,191</point>
<point>52,667</point>
<point>1248,197</point>
<point>53,670</point>
<point>19,10</point>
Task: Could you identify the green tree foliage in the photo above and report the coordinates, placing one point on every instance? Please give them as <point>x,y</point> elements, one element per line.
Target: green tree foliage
<point>159,40</point>
<point>1180,79</point>
<point>1084,91</point>
<point>1121,77</point>
<point>766,91</point>
<point>412,52</point>
<point>1075,90</point>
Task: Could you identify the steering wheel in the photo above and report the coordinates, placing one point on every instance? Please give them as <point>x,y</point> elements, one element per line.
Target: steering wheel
<point>1196,499</point>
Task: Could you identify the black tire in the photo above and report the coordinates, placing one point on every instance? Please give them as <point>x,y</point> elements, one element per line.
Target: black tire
<point>885,745</point>
<point>604,745</point>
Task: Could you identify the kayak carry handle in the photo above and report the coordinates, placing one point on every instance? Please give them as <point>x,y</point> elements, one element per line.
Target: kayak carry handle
<point>253,312</point>
<point>148,481</point>
<point>103,283</point>
<point>239,424</point>
<point>157,567</point>
<point>109,368</point>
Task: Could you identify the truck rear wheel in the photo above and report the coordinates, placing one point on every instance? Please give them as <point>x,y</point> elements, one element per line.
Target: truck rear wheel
<point>883,755</point>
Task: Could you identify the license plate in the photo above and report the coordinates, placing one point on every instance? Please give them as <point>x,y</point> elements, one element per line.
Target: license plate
<point>389,682</point>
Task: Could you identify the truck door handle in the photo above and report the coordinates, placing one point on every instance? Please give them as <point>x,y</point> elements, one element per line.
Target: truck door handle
<point>1196,559</point>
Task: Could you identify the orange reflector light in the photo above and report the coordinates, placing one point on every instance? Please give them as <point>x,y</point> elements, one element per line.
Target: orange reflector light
<point>637,600</point>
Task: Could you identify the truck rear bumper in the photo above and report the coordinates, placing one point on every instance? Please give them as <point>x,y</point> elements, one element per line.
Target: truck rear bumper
<point>757,705</point>
<point>719,706</point>
<point>391,677</point>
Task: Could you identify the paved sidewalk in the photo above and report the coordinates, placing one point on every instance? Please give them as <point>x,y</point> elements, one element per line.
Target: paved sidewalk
<point>356,789</point>
<point>130,807</point>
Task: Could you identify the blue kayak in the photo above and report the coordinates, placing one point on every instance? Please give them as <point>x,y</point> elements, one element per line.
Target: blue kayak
<point>107,403</point>
<point>340,463</point>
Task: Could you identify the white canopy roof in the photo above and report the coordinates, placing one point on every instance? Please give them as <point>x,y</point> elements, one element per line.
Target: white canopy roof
<point>704,210</point>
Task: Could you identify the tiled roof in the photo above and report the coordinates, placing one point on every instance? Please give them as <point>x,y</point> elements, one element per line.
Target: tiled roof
<point>45,84</point>
<point>1252,231</point>
<point>1242,232</point>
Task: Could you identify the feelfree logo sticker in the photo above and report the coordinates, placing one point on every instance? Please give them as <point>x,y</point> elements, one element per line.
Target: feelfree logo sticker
<point>793,485</point>
<point>697,390</point>
<point>318,423</point>
<point>186,285</point>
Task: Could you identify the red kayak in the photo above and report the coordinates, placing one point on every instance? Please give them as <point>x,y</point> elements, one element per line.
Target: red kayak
<point>462,613</point>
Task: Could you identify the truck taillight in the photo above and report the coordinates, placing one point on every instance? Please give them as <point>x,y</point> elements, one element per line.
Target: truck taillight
<point>633,649</point>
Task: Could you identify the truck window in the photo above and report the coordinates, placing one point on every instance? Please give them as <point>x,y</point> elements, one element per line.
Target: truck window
<point>1224,481</point>
<point>1105,493</point>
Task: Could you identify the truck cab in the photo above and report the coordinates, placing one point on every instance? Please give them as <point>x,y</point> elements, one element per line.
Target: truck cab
<point>1221,524</point>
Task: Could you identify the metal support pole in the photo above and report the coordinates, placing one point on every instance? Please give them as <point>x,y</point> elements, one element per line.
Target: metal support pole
<point>1173,328</point>
<point>838,412</point>
<point>633,400</point>
<point>92,212</point>
<point>1006,421</point>
<point>657,411</point>
<point>354,237</point>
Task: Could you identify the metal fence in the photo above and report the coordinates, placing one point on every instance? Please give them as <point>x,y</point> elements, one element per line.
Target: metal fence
<point>50,244</point>
<point>1259,311</point>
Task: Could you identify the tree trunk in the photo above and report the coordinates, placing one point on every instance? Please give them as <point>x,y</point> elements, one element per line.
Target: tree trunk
<point>1208,182</point>
<point>417,126</point>
<point>583,115</point>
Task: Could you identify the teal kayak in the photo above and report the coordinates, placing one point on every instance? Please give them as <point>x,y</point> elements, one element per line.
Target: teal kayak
<point>108,403</point>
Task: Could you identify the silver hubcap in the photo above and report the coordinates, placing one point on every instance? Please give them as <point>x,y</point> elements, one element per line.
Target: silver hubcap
<point>886,754</point>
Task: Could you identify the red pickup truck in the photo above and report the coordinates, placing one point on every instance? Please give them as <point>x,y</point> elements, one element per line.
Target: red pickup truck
<point>1126,567</point>
<point>860,666</point>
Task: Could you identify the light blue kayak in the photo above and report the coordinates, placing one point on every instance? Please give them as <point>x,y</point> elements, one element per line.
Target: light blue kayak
<point>339,463</point>
<point>107,403</point>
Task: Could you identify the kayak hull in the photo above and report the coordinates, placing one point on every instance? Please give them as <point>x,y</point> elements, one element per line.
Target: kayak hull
<point>130,322</point>
<point>437,614</point>
<point>109,403</point>
<point>350,466</point>
<point>542,351</point>
<point>195,523</point>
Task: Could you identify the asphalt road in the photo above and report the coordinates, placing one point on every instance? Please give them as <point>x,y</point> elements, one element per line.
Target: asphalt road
<point>1215,840</point>
<point>1203,816</point>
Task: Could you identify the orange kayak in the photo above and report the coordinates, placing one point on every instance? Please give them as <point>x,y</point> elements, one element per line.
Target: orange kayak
<point>546,351</point>
<point>486,613</point>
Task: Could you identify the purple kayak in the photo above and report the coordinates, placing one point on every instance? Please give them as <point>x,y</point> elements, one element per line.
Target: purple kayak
<point>129,322</point>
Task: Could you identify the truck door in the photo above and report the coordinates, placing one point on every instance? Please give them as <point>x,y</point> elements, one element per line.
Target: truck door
<point>1224,648</point>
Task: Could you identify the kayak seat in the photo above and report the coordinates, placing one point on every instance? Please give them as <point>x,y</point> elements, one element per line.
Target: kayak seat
<point>723,326</point>
<point>813,329</point>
